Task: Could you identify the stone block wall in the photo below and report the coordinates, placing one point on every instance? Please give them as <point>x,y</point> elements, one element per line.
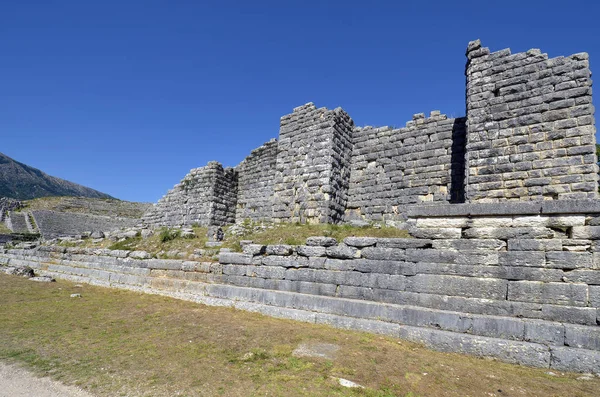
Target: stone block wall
<point>515,281</point>
<point>392,168</point>
<point>312,169</point>
<point>256,176</point>
<point>206,196</point>
<point>528,135</point>
<point>531,133</point>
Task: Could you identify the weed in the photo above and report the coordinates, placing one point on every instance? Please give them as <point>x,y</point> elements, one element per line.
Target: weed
<point>167,234</point>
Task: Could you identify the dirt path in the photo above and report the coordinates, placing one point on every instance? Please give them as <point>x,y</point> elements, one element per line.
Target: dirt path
<point>18,382</point>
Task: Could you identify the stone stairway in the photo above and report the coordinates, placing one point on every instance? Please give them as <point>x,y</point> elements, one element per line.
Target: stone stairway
<point>20,222</point>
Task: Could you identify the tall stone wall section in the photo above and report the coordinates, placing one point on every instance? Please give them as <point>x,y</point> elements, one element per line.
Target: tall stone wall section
<point>312,170</point>
<point>256,176</point>
<point>529,135</point>
<point>531,126</point>
<point>392,168</point>
<point>206,196</point>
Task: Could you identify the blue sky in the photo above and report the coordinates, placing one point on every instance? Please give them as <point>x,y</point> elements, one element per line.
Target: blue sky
<point>127,96</point>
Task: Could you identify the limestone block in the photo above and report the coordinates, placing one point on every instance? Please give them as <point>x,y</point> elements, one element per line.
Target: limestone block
<point>311,251</point>
<point>510,351</point>
<point>453,222</point>
<point>586,232</point>
<point>569,314</point>
<point>360,242</point>
<point>403,243</point>
<point>280,249</point>
<point>534,245</point>
<point>579,245</point>
<point>436,233</point>
<point>342,251</point>
<point>469,244</point>
<point>285,261</point>
<point>582,337</point>
<point>569,260</point>
<point>140,255</point>
<point>551,293</point>
<point>578,360</point>
<point>505,233</point>
<point>235,258</point>
<point>392,267</point>
<point>254,249</point>
<point>544,332</point>
<point>456,285</point>
<point>377,253</point>
<point>321,241</point>
<point>522,258</point>
<point>498,327</point>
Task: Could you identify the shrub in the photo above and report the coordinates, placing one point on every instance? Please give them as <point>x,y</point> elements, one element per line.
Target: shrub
<point>168,234</point>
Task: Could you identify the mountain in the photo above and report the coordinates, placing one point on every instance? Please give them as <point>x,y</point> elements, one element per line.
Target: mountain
<point>22,182</point>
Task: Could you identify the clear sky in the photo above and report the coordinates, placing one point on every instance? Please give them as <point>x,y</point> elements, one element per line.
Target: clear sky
<point>127,96</point>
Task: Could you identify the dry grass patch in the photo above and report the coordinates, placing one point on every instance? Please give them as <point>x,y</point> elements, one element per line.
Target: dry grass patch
<point>292,234</point>
<point>119,343</point>
<point>4,229</point>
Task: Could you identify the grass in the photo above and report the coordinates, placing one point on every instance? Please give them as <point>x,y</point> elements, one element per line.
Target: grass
<point>165,240</point>
<point>4,229</point>
<point>120,343</point>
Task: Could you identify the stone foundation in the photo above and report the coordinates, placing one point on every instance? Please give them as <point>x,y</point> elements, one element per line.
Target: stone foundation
<point>515,281</point>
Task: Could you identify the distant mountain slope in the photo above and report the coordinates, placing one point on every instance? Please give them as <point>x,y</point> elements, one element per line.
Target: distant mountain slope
<point>22,182</point>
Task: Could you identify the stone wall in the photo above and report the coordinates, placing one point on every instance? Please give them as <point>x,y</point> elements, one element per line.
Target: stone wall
<point>392,168</point>
<point>53,224</point>
<point>256,176</point>
<point>206,196</point>
<point>312,173</point>
<point>529,135</point>
<point>531,126</point>
<point>515,281</point>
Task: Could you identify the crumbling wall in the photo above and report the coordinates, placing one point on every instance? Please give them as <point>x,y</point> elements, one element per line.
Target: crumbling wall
<point>256,176</point>
<point>206,196</point>
<point>531,133</point>
<point>6,205</point>
<point>392,168</point>
<point>312,169</point>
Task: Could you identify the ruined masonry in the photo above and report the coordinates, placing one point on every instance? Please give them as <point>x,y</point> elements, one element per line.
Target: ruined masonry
<point>528,135</point>
<point>502,206</point>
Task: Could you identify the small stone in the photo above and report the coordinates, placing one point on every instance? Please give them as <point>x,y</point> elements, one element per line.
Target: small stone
<point>43,279</point>
<point>349,384</point>
<point>97,235</point>
<point>140,255</point>
<point>319,350</point>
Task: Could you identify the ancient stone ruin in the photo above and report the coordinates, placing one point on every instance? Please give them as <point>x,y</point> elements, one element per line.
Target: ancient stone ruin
<point>502,206</point>
<point>528,135</point>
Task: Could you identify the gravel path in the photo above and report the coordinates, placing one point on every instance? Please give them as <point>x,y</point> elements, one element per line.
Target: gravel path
<point>18,382</point>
